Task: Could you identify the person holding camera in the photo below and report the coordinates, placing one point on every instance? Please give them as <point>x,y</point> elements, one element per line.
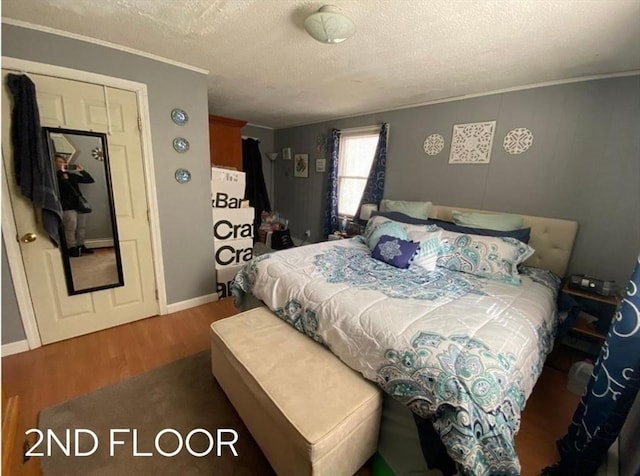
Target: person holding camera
<point>74,216</point>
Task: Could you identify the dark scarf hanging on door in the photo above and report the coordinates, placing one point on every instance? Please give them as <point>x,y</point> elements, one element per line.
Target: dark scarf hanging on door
<point>33,169</point>
<point>256,189</point>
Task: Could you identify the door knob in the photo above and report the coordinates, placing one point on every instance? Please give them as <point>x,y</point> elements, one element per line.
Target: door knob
<point>28,237</point>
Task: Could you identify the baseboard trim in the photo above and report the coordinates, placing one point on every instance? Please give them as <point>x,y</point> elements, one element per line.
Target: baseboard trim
<point>189,303</point>
<point>15,347</point>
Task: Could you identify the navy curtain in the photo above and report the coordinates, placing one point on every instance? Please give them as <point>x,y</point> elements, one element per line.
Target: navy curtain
<point>331,211</point>
<point>609,395</point>
<point>33,167</point>
<point>374,189</point>
<point>256,190</point>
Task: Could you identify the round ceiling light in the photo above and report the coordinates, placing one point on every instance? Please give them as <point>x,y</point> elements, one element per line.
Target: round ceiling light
<point>328,25</point>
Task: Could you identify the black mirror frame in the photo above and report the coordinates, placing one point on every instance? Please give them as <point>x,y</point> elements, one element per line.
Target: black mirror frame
<point>114,227</point>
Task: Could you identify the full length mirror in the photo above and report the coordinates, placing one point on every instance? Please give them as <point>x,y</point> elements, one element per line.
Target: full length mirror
<point>89,235</point>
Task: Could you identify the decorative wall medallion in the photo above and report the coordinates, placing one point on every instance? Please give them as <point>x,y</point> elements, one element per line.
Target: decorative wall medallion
<point>518,140</point>
<point>180,144</point>
<point>433,144</point>
<point>179,116</point>
<point>183,176</point>
<point>97,154</point>
<point>471,143</point>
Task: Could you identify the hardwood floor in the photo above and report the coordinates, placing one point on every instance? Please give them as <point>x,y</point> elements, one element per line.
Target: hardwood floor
<point>57,372</point>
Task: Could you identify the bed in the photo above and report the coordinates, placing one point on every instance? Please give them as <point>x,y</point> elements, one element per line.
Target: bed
<point>457,349</point>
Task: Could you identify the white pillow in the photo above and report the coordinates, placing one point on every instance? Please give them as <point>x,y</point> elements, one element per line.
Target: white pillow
<point>427,255</point>
<point>415,230</point>
<point>489,221</point>
<point>413,209</point>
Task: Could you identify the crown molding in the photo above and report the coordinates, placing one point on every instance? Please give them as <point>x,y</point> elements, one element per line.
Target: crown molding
<point>635,72</point>
<point>106,44</point>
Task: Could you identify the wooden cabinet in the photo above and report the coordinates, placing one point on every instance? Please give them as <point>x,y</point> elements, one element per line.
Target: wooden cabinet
<point>225,141</point>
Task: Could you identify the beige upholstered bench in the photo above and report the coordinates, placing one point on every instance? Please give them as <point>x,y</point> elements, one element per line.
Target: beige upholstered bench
<point>309,412</point>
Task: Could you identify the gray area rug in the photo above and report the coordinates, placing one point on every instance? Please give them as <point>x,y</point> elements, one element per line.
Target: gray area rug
<point>182,395</point>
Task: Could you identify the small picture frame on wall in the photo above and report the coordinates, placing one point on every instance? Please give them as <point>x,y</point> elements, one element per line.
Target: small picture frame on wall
<point>321,165</point>
<point>301,165</point>
<point>286,153</point>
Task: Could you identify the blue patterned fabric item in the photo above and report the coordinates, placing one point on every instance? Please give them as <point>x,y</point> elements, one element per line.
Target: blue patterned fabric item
<point>610,393</point>
<point>461,351</point>
<point>356,268</point>
<point>483,256</point>
<point>439,373</point>
<point>331,211</point>
<point>394,251</point>
<point>374,189</point>
<point>303,319</point>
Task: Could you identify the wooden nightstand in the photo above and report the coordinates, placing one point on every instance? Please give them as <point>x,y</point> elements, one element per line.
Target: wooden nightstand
<point>602,308</point>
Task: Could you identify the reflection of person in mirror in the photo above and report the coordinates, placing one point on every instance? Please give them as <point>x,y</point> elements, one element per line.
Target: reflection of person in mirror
<point>73,222</point>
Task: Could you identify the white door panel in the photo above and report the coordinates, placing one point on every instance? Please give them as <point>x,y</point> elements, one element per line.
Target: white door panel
<point>79,105</point>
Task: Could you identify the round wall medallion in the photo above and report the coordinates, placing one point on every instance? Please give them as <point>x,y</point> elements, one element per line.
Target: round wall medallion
<point>433,144</point>
<point>180,144</point>
<point>179,116</point>
<point>183,176</point>
<point>518,140</point>
<point>97,153</point>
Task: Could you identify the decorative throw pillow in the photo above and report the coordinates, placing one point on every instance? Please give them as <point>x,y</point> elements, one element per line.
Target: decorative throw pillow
<point>483,256</point>
<point>491,221</point>
<point>394,251</point>
<point>427,255</point>
<point>413,209</point>
<point>373,233</point>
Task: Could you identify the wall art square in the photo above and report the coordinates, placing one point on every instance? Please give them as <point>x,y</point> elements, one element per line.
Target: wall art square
<point>286,153</point>
<point>471,143</point>
<point>301,165</point>
<point>321,165</point>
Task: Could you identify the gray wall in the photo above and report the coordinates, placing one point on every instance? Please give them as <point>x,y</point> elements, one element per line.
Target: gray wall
<point>266,137</point>
<point>185,215</point>
<point>584,165</point>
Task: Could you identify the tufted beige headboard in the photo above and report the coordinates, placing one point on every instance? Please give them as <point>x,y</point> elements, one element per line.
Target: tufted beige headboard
<point>552,238</point>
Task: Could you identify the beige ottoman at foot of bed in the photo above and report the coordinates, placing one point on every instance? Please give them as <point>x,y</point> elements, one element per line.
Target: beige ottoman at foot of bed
<point>309,412</point>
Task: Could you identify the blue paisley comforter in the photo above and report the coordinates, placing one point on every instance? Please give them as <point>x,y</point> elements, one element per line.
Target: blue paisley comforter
<point>457,349</point>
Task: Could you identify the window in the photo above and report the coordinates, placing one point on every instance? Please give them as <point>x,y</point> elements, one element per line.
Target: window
<point>357,149</point>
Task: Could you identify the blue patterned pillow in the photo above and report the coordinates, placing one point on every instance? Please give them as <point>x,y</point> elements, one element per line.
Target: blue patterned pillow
<point>373,233</point>
<point>483,256</point>
<point>395,251</point>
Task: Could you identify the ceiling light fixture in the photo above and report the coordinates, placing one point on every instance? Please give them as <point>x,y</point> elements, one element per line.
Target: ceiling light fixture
<point>328,25</point>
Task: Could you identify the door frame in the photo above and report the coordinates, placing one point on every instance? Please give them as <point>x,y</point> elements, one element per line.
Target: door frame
<point>9,230</point>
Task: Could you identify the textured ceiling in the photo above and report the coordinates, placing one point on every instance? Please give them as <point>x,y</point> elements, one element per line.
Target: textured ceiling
<point>265,69</point>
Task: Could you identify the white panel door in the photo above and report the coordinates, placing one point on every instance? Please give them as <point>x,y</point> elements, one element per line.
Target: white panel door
<point>82,106</point>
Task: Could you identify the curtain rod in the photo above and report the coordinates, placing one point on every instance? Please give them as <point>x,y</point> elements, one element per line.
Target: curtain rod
<point>249,137</point>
